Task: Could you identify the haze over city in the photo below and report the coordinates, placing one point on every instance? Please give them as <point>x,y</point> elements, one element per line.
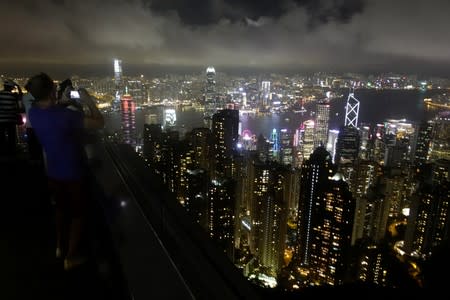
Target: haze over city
<point>288,35</point>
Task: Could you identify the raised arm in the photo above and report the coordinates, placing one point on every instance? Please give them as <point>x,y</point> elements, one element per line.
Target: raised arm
<point>93,120</point>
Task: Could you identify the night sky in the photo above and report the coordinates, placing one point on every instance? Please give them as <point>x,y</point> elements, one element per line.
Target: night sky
<point>328,35</point>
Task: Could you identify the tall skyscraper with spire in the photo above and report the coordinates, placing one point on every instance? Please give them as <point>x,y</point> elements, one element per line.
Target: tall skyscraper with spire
<point>351,110</point>
<point>210,93</point>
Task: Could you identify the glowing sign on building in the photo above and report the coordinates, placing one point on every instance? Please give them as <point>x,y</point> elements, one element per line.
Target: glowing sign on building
<point>170,117</point>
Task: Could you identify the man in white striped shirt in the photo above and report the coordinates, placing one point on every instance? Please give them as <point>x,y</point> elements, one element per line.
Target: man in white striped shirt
<point>9,112</point>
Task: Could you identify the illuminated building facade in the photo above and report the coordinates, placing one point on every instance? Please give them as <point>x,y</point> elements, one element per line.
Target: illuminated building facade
<point>322,120</point>
<point>262,148</point>
<point>221,206</point>
<point>326,211</point>
<point>440,142</point>
<point>275,142</point>
<point>225,137</point>
<point>331,144</point>
<point>265,93</point>
<point>377,212</point>
<point>307,141</point>
<point>428,222</point>
<point>372,266</point>
<point>200,141</point>
<point>128,113</point>
<point>210,92</point>
<point>351,111</point>
<point>424,136</point>
<point>314,178</point>
<point>286,147</point>
<point>365,174</point>
<point>169,118</point>
<point>196,199</point>
<point>347,145</point>
<point>331,233</point>
<point>118,81</point>
<point>171,152</point>
<point>365,144</point>
<point>269,215</point>
<point>152,143</point>
<point>137,90</point>
<point>118,72</point>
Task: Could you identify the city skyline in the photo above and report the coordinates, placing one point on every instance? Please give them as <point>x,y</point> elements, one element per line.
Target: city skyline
<point>280,35</point>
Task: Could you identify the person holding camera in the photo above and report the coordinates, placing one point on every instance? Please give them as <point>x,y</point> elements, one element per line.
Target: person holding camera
<point>9,117</point>
<point>60,132</point>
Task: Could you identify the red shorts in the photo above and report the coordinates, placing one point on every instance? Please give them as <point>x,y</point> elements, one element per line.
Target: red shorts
<point>69,195</point>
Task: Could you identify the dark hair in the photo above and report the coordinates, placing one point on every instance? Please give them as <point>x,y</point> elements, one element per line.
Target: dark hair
<point>40,86</point>
<point>62,87</point>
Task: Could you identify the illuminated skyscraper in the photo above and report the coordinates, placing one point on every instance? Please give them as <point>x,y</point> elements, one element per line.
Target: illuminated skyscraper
<point>269,215</point>
<point>225,137</point>
<point>171,154</point>
<point>196,198</point>
<point>169,118</point>
<point>322,120</point>
<point>440,142</point>
<point>331,235</point>
<point>428,222</point>
<point>365,145</point>
<point>118,82</point>
<point>326,211</point>
<point>314,178</point>
<point>210,93</point>
<point>331,144</point>
<point>377,212</point>
<point>424,136</point>
<point>365,173</point>
<point>128,110</point>
<point>347,145</point>
<point>265,93</point>
<point>286,147</point>
<point>373,266</point>
<point>351,111</point>
<point>137,90</point>
<point>308,138</point>
<point>262,148</point>
<point>200,141</point>
<point>274,140</point>
<point>152,143</point>
<point>118,73</point>
<point>221,206</point>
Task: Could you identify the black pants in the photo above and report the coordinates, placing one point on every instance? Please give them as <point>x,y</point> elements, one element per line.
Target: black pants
<point>34,147</point>
<point>8,138</point>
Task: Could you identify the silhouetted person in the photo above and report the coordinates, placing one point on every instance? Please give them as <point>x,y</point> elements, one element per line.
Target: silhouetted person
<point>34,147</point>
<point>9,117</point>
<point>60,132</point>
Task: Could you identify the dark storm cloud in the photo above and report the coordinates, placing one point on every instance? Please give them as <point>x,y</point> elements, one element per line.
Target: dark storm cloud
<point>207,12</point>
<point>322,34</point>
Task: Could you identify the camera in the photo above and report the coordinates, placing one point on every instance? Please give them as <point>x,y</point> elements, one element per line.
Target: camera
<point>74,94</point>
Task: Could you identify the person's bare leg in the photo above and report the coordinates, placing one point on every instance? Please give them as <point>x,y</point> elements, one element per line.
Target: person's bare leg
<point>76,228</point>
<point>74,258</point>
<point>60,228</point>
